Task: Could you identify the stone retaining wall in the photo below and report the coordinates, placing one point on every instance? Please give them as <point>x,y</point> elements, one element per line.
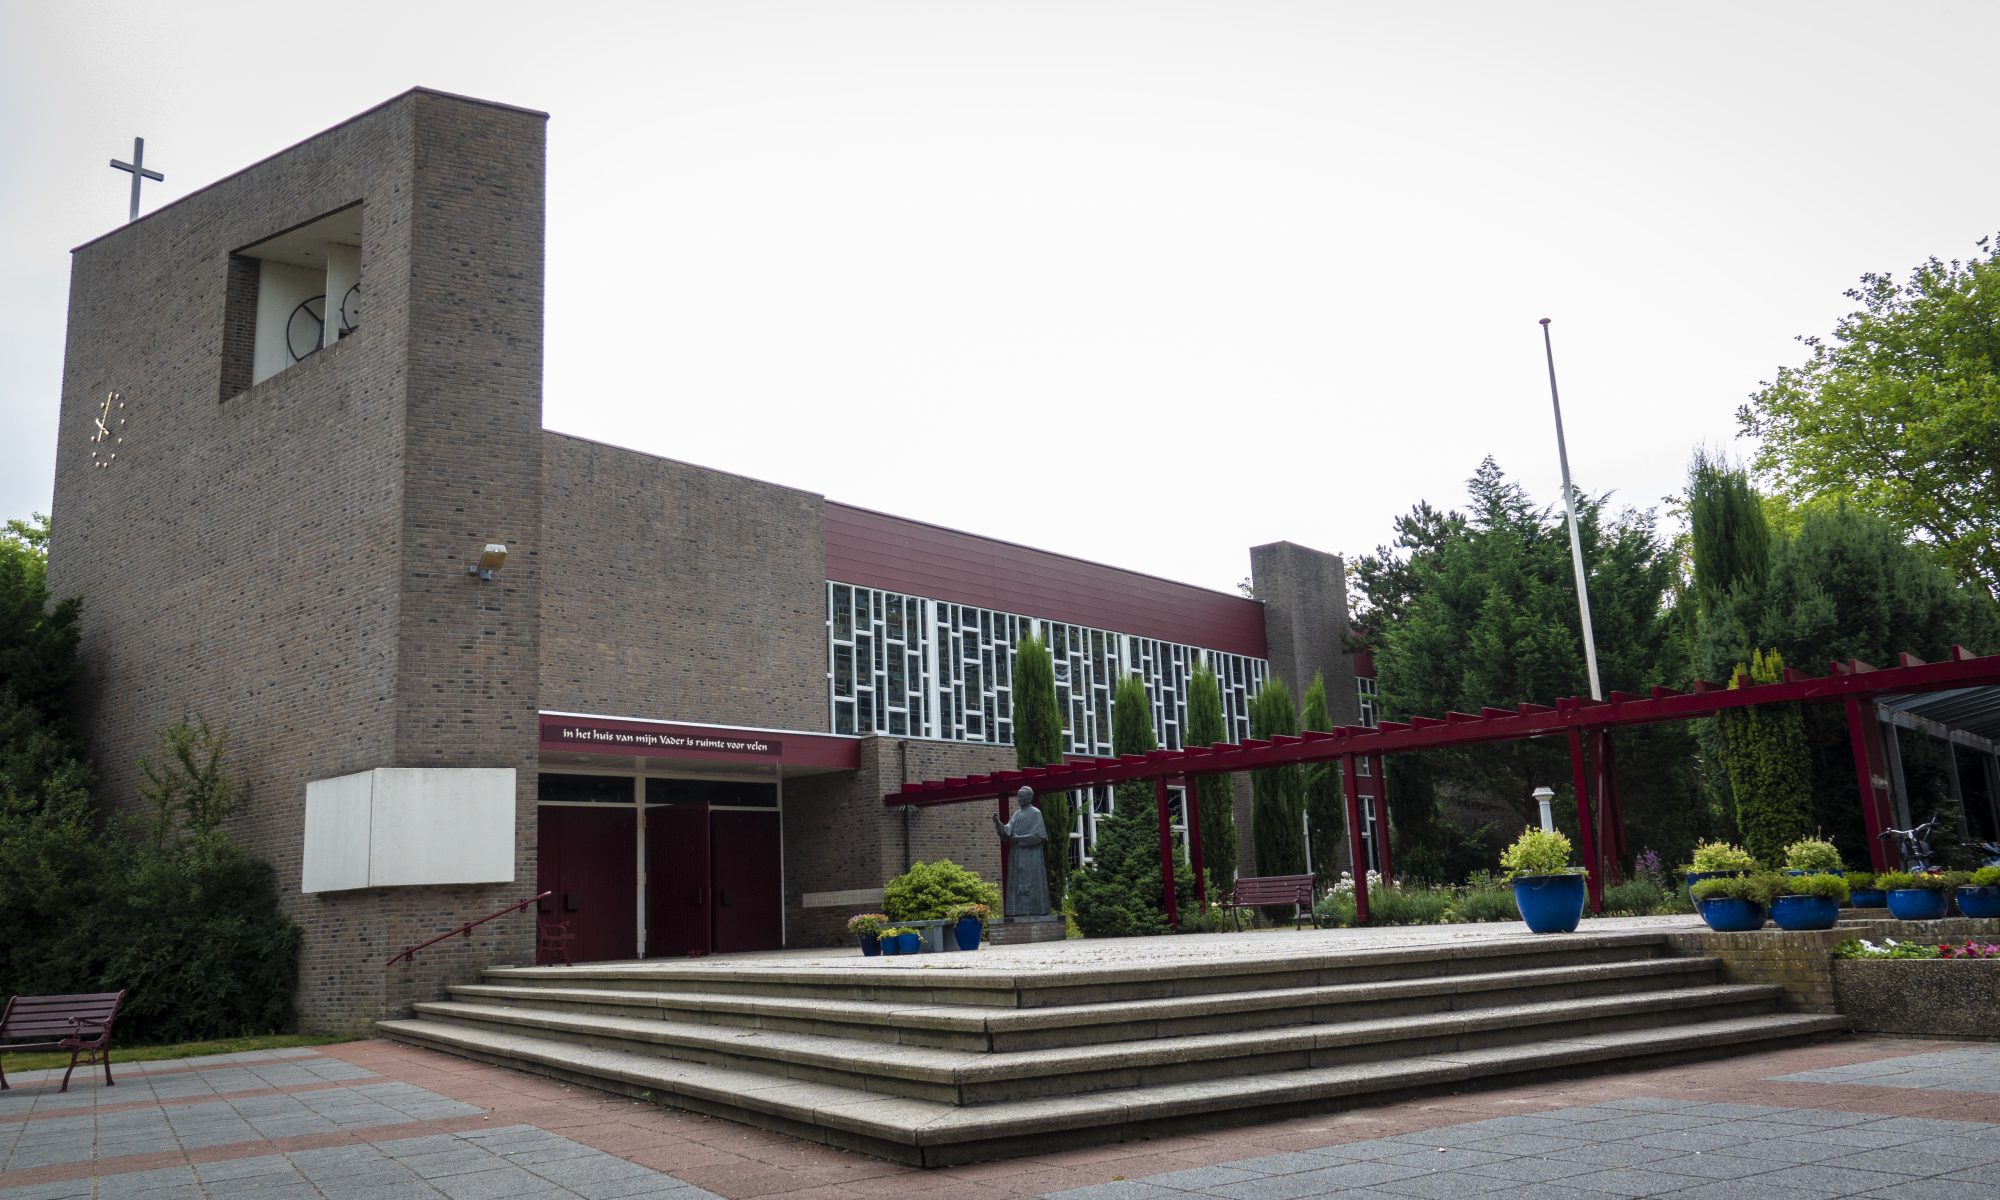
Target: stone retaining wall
<point>1802,962</point>
<point>1932,997</point>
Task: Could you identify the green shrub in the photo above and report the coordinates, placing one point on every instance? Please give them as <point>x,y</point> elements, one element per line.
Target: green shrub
<point>1823,885</point>
<point>1895,881</point>
<point>1633,898</point>
<point>1816,855</point>
<point>1860,880</point>
<point>931,891</point>
<point>1537,852</point>
<point>1721,856</point>
<point>1731,887</point>
<point>1474,904</point>
<point>1390,906</point>
<point>1985,877</point>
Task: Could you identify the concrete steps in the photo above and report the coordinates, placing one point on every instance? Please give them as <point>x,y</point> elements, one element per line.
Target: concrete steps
<point>982,1059</point>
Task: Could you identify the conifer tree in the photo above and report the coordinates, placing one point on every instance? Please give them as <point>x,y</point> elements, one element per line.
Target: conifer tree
<point>1215,797</point>
<point>1277,793</point>
<point>1038,742</point>
<point>1119,894</point>
<point>1769,770</point>
<point>1326,819</point>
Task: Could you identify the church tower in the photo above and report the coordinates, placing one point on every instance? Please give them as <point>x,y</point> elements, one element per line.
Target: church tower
<point>297,406</point>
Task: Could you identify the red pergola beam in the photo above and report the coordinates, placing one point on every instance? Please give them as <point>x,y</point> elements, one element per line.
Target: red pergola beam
<point>1527,721</point>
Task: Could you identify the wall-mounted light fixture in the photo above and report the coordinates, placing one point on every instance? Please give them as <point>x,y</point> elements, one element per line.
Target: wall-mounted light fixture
<point>491,560</point>
<point>1543,795</point>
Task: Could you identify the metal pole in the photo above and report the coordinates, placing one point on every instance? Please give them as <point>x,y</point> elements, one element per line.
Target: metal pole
<point>1569,506</point>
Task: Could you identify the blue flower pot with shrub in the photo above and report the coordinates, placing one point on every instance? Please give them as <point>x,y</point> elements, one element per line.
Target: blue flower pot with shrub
<point>966,933</point>
<point>1979,896</point>
<point>1548,891</point>
<point>909,942</point>
<point>1718,860</point>
<point>1916,897</point>
<point>1732,903</point>
<point>1805,899</point>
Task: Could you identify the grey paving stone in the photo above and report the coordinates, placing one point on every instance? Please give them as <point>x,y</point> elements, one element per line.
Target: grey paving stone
<point>145,1183</point>
<point>1288,1163</point>
<point>1956,1146</point>
<point>68,1189</point>
<point>1689,1141</point>
<point>1626,1181</point>
<point>1902,1160</point>
<point>1612,1154</point>
<point>1777,1152</point>
<point>1524,1143</point>
<point>458,1160</point>
<point>1549,1191</point>
<point>1715,1165</point>
<point>1532,1170</point>
<point>1731,1112</point>
<point>1369,1151</point>
<point>1444,1158</point>
<point>491,1185</point>
<point>1650,1103</point>
<point>1854,1136</point>
<point>1120,1189</point>
<point>615,1187</point>
<point>1941,1189</point>
<point>1443,1185</point>
<point>1197,1179</point>
<point>1744,1189</point>
<point>1833,1181</point>
<point>1824,1117</point>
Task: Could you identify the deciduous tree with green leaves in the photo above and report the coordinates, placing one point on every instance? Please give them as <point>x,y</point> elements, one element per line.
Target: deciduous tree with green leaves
<point>1215,795</point>
<point>1038,742</point>
<point>1899,411</point>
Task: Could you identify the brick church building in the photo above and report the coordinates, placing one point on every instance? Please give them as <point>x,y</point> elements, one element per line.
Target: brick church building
<point>301,412</point>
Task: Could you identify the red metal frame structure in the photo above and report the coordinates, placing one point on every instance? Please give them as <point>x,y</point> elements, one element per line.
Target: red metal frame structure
<point>465,929</point>
<point>1586,723</point>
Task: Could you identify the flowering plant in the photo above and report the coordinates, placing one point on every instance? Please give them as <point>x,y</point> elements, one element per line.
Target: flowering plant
<point>971,910</point>
<point>1969,950</point>
<point>1891,948</point>
<point>866,924</point>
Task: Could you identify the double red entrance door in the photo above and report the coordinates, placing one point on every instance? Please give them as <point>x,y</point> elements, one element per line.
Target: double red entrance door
<point>712,879</point>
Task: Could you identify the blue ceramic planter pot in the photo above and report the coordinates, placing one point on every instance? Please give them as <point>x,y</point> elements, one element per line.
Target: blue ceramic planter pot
<point>1979,901</point>
<point>1550,903</point>
<point>889,947</point>
<point>1805,912</point>
<point>870,945</point>
<point>1918,904</point>
<point>1868,898</point>
<point>967,933</point>
<point>1728,915</point>
<point>908,943</point>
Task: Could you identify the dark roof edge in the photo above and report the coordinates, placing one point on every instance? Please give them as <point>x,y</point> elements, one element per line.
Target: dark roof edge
<point>369,112</point>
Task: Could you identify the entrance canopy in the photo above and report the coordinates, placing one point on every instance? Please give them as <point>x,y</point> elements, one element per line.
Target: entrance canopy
<point>1585,722</point>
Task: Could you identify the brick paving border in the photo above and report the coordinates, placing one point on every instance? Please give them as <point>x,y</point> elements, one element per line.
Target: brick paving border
<point>742,1163</point>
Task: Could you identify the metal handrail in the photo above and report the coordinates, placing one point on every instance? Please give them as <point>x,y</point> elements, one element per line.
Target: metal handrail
<point>466,929</point>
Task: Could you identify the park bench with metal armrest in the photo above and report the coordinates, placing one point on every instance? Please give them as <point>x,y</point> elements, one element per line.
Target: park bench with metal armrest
<point>80,1024</point>
<point>1256,891</point>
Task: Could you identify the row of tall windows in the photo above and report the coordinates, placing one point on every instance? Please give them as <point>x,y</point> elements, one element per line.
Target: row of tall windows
<point>914,667</point>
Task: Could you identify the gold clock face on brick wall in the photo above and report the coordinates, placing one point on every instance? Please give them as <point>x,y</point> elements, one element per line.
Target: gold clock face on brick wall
<point>107,432</point>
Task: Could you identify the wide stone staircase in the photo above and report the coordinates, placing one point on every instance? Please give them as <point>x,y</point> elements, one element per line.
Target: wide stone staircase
<point>938,1059</point>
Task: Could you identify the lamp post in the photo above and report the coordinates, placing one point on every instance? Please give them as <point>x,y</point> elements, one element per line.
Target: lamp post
<point>1569,505</point>
<point>1543,795</point>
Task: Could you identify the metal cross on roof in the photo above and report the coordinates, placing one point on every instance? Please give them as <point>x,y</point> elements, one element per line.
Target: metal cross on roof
<point>139,172</point>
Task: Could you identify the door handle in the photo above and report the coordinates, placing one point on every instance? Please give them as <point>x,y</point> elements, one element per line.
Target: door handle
<point>700,897</point>
<point>571,903</point>
<point>722,897</point>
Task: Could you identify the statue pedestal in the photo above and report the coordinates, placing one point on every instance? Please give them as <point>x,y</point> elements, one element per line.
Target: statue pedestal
<point>1015,931</point>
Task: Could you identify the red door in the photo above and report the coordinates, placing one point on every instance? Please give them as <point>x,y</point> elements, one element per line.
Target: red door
<point>677,884</point>
<point>589,858</point>
<point>746,871</point>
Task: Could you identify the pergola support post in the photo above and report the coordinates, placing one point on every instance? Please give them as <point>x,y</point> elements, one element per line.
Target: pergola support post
<point>1166,851</point>
<point>1864,735</point>
<point>1610,810</point>
<point>1586,823</point>
<point>1356,854</point>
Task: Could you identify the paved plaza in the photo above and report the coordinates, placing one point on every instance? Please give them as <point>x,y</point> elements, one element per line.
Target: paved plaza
<point>1861,1117</point>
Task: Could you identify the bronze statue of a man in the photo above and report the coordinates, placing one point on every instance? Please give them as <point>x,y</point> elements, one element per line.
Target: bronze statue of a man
<point>1027,878</point>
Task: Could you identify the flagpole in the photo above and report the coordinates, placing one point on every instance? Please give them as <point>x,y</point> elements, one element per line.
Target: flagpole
<point>1569,505</point>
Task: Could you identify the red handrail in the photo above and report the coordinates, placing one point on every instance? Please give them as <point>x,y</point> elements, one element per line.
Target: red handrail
<point>466,929</point>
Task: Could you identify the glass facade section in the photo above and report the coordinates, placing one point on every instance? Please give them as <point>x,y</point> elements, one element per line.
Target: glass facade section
<point>913,667</point>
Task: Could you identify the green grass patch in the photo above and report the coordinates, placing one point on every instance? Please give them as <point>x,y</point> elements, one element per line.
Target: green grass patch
<point>39,1059</point>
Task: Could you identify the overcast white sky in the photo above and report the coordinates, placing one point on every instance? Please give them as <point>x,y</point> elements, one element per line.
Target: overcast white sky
<point>1041,271</point>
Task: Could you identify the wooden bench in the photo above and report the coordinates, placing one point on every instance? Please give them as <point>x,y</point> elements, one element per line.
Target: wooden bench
<point>79,1024</point>
<point>1256,891</point>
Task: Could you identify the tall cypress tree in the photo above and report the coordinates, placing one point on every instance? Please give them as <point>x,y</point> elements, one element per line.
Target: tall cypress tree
<point>1769,770</point>
<point>1215,797</point>
<point>1038,742</point>
<point>1729,543</point>
<point>1277,793</point>
<point>1119,894</point>
<point>1325,818</point>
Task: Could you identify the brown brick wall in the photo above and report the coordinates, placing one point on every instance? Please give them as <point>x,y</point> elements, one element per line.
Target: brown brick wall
<point>839,834</point>
<point>266,560</point>
<point>679,593</point>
